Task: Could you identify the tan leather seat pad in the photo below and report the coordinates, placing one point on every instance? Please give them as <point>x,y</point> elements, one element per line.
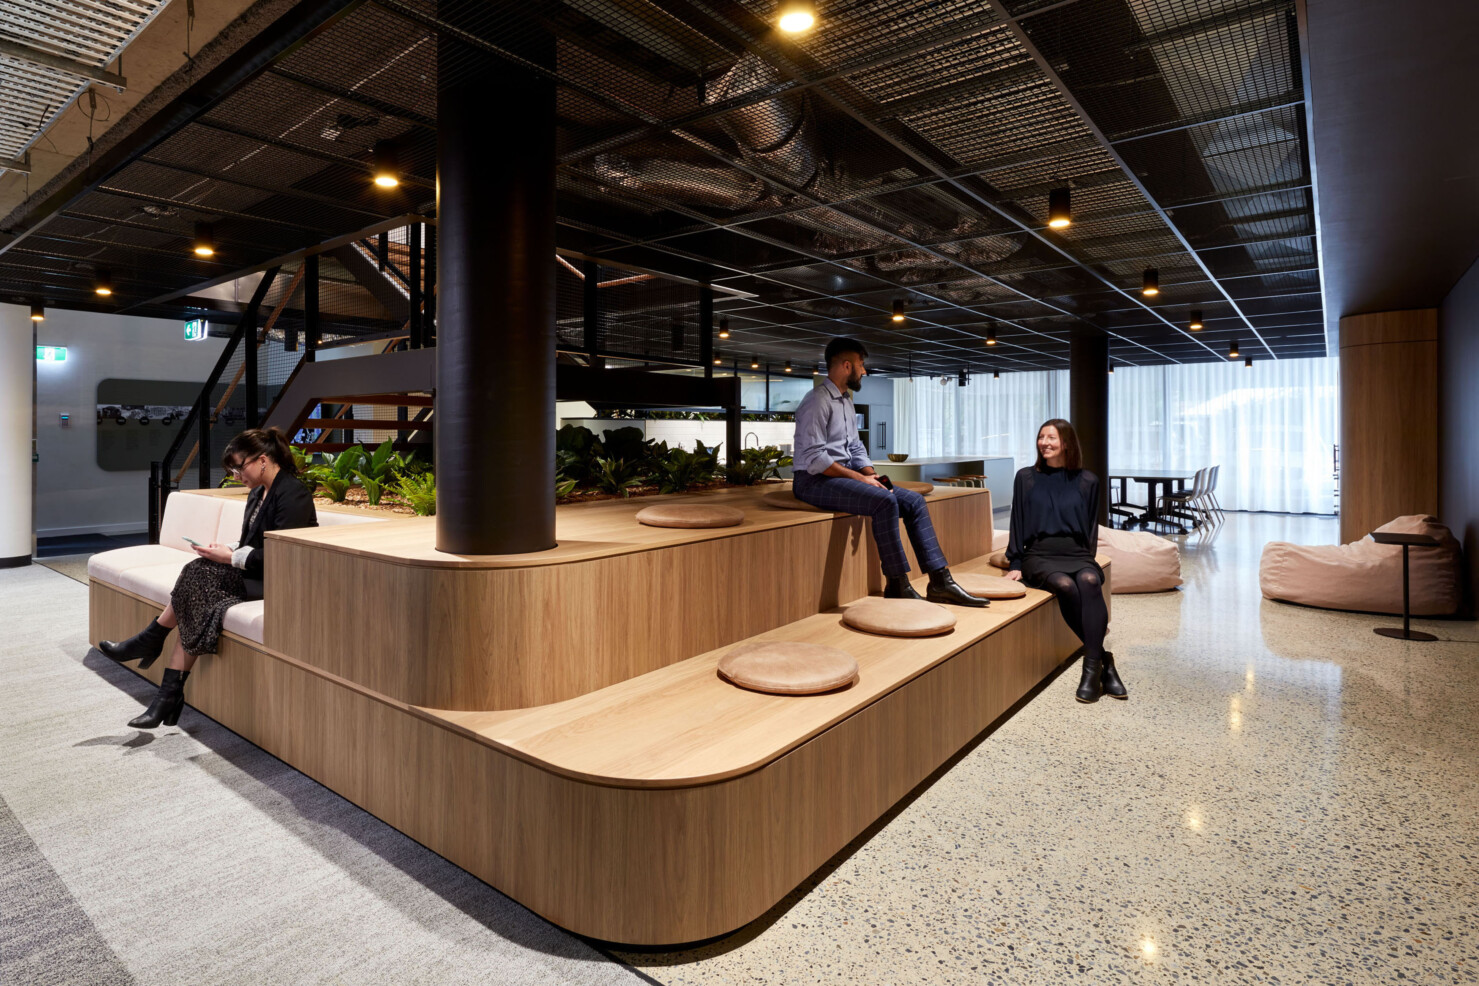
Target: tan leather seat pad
<point>689,515</point>
<point>898,617</point>
<point>784,667</point>
<point>990,586</point>
<point>923,489</point>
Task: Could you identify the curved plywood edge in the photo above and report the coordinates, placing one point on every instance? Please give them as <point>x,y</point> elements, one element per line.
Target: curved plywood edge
<point>683,726</point>
<point>584,531</point>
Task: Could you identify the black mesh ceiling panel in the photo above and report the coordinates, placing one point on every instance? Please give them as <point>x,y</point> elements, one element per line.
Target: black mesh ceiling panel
<point>903,151</point>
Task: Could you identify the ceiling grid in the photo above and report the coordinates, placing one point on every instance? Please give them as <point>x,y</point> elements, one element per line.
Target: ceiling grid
<point>901,151</point>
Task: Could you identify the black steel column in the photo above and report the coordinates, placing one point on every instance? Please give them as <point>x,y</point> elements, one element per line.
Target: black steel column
<point>591,296</point>
<point>413,249</point>
<point>732,438</point>
<point>706,330</point>
<point>495,441</point>
<point>1088,405</point>
<point>203,442</point>
<point>310,307</point>
<point>249,367</point>
<point>428,289</point>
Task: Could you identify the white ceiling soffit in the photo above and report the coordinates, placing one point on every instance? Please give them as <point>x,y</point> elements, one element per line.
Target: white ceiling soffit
<point>50,52</point>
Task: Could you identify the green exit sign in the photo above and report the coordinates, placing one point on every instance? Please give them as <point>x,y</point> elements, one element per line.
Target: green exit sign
<point>196,329</point>
<point>51,354</point>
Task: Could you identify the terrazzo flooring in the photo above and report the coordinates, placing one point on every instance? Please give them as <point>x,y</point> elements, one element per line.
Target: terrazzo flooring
<point>1286,797</point>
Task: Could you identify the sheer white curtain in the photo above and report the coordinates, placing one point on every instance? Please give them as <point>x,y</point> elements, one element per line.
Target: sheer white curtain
<point>985,417</point>
<point>1271,427</point>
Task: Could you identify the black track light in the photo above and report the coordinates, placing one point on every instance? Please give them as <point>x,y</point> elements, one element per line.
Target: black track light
<point>1111,367</point>
<point>996,374</point>
<point>103,283</point>
<point>754,362</point>
<point>717,360</point>
<point>724,328</point>
<point>1248,363</point>
<point>1232,352</point>
<point>386,164</point>
<point>203,243</point>
<point>38,312</point>
<point>990,337</point>
<point>899,310</point>
<point>1150,282</point>
<point>1060,215</point>
<point>1195,322</point>
<point>788,366</point>
<point>963,378</point>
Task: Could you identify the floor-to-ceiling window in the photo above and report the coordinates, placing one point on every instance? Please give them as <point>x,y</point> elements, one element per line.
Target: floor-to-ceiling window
<point>1272,427</point>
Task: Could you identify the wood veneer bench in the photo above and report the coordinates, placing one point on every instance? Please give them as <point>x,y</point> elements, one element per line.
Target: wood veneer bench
<point>661,808</point>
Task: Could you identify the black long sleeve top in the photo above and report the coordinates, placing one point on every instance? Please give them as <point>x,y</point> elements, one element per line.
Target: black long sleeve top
<point>288,504</point>
<point>1053,503</point>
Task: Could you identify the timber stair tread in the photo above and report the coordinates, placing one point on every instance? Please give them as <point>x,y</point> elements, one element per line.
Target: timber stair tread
<point>369,424</point>
<point>682,724</point>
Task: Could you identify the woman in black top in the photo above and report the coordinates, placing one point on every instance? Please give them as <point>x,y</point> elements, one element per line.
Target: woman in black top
<point>223,575</point>
<point>1055,535</point>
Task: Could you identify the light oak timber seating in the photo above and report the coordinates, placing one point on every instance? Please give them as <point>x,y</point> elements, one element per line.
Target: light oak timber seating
<point>667,807</point>
<point>615,598</point>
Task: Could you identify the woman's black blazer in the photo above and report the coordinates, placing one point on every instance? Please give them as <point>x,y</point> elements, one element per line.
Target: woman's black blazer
<point>289,504</point>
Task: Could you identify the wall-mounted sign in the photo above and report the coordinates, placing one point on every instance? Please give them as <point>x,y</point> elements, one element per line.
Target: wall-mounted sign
<point>51,354</point>
<point>196,329</point>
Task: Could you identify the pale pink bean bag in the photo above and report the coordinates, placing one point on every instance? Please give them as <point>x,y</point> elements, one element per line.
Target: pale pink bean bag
<point>1366,576</point>
<point>1143,562</point>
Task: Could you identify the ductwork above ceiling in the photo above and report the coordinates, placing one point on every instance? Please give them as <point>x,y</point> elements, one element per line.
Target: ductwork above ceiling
<point>50,53</point>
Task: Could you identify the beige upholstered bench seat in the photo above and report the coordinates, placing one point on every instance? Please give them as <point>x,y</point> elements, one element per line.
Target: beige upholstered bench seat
<point>150,570</point>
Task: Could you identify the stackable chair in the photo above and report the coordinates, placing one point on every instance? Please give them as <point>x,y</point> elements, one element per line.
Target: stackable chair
<point>1190,504</point>
<point>1212,493</point>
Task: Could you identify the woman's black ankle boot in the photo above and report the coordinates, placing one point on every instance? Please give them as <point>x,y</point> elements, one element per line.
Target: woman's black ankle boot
<point>1113,687</point>
<point>144,646</point>
<point>1090,687</point>
<point>168,701</point>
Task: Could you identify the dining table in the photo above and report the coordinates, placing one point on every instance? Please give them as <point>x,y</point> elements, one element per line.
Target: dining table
<point>1159,481</point>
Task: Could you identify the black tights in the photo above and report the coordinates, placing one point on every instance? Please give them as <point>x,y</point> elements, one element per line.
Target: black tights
<point>1081,598</point>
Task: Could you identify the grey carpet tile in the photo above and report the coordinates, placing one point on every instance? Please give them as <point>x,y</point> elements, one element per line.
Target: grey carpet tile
<point>46,938</point>
<point>201,859</point>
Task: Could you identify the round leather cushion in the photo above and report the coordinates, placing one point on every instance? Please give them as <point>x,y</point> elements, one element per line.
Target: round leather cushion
<point>786,500</point>
<point>898,617</point>
<point>689,515</point>
<point>783,667</point>
<point>998,559</point>
<point>923,489</point>
<point>990,586</point>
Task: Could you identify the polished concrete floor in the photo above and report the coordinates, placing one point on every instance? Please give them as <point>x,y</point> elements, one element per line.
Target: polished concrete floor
<point>1286,797</point>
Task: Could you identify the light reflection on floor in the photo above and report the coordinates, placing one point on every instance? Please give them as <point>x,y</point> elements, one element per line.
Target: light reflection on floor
<point>1285,797</point>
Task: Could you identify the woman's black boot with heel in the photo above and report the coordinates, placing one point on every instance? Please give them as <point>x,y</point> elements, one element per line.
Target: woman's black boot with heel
<point>168,701</point>
<point>144,646</point>
<point>1090,686</point>
<point>1113,687</point>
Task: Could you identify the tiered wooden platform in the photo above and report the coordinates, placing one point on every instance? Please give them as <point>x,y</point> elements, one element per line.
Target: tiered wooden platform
<point>555,725</point>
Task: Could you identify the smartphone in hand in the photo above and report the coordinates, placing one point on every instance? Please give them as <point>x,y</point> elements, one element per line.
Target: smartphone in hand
<point>888,483</point>
<point>192,541</point>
